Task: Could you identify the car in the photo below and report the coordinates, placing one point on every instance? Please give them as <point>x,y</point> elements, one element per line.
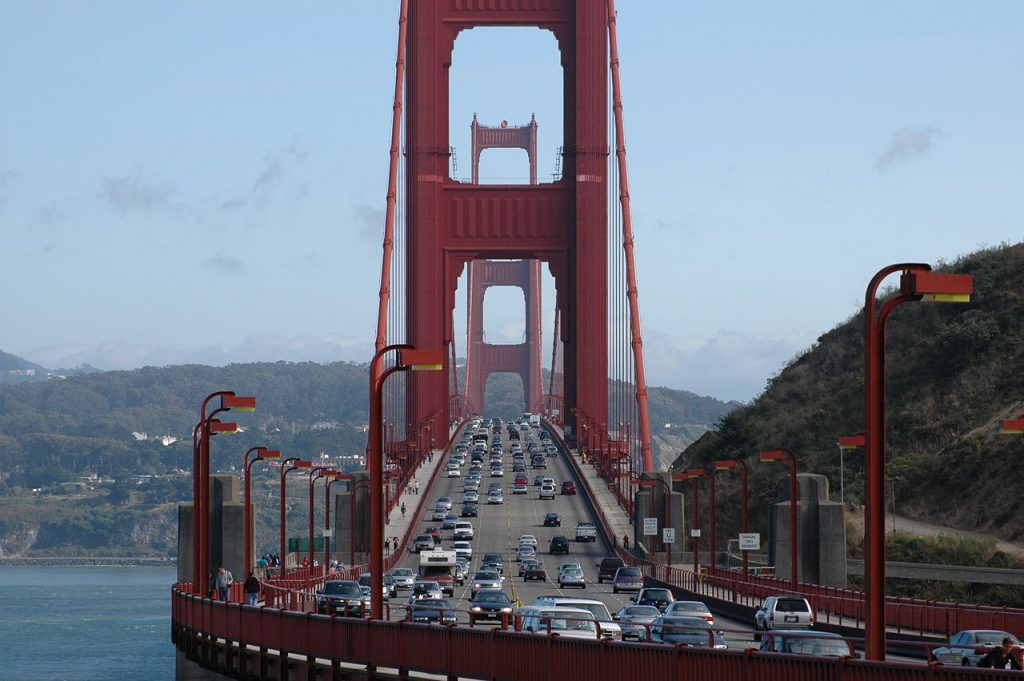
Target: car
<point>403,578</point>
<point>538,480</point>
<point>569,565</point>
<point>607,568</point>
<point>470,511</point>
<point>691,609</point>
<point>534,571</point>
<point>425,588</point>
<point>555,619</point>
<point>567,578</point>
<point>547,481</point>
<point>453,471</point>
<point>423,542</point>
<point>432,611</point>
<point>471,497</point>
<point>471,485</point>
<point>490,604</point>
<point>485,579</point>
<point>818,643</point>
<point>463,530</point>
<point>461,570</point>
<point>691,631</point>
<point>496,497</point>
<point>598,609</point>
<point>528,540</point>
<point>521,479</point>
<point>449,521</point>
<point>656,596</point>
<point>497,472</point>
<point>559,545</point>
<point>492,565</point>
<point>520,488</point>
<point>967,647</point>
<point>568,487</point>
<point>546,492</point>
<point>463,548</point>
<point>518,466</point>
<point>587,531</point>
<point>524,563</point>
<point>341,597</point>
<point>525,552</point>
<point>552,520</point>
<point>789,611</point>
<point>495,558</point>
<point>434,533</point>
<point>444,502</point>
<point>439,513</point>
<point>538,462</point>
<point>627,579</point>
<point>389,590</point>
<point>632,619</point>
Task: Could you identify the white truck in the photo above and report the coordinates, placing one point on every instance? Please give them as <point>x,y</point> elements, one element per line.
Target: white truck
<point>534,419</point>
<point>439,566</point>
<point>586,532</point>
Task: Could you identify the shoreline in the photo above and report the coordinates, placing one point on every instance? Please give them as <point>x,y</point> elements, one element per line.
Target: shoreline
<point>89,561</point>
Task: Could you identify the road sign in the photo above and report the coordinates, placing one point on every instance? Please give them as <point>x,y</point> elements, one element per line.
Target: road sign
<point>650,527</point>
<point>668,535</point>
<point>750,541</point>
<point>328,533</point>
<point>695,533</point>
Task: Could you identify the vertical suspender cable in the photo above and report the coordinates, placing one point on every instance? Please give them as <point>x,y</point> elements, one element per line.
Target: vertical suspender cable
<point>389,216</point>
<point>627,244</point>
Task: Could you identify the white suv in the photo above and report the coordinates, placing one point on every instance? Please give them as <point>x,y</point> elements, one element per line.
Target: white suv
<point>546,492</point>
<point>790,611</point>
<point>609,629</point>
<point>463,530</point>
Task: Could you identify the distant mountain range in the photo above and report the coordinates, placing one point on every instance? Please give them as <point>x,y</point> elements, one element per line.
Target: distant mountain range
<point>14,369</point>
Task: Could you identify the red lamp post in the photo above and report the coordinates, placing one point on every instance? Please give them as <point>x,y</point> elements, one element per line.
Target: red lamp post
<point>407,358</point>
<point>262,453</point>
<point>709,473</point>
<point>917,282</point>
<point>741,466</point>
<point>287,466</point>
<point>201,434</point>
<point>327,515</point>
<point>693,475</point>
<point>789,458</point>
<point>314,475</point>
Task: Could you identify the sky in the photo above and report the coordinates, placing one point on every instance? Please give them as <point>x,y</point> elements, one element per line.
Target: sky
<point>205,182</point>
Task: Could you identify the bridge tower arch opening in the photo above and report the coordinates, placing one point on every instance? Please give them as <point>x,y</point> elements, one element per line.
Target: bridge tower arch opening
<point>562,224</point>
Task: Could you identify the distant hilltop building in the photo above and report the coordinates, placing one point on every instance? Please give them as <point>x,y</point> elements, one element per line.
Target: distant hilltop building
<point>165,440</point>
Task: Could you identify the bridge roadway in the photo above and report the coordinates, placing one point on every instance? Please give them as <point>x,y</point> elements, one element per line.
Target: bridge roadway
<point>499,526</point>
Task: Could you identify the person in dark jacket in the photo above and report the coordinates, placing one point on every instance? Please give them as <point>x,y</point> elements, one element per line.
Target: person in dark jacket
<point>1000,656</point>
<point>252,589</point>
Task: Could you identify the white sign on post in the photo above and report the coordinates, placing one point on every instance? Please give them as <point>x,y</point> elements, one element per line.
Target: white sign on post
<point>750,541</point>
<point>650,527</point>
<point>328,533</point>
<point>668,535</point>
<point>695,533</point>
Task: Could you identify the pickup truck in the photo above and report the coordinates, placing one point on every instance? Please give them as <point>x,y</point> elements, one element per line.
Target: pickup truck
<point>586,532</point>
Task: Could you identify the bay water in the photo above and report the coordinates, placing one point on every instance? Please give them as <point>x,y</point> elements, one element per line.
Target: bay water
<point>85,623</point>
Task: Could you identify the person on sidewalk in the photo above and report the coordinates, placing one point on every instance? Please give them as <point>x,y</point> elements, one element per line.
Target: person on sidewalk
<point>224,581</point>
<point>403,510</point>
<point>387,546</point>
<point>252,589</point>
<point>625,541</point>
<point>416,486</point>
<point>1000,656</point>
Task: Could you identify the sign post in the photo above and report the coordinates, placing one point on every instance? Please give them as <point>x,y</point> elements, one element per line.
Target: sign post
<point>650,527</point>
<point>668,535</point>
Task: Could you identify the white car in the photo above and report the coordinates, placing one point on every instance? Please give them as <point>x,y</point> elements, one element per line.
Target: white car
<point>546,492</point>
<point>463,530</point>
<point>453,471</point>
<point>463,548</point>
<point>528,540</point>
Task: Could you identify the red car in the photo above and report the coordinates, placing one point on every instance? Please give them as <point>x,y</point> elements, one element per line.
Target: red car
<point>568,487</point>
<point>435,533</point>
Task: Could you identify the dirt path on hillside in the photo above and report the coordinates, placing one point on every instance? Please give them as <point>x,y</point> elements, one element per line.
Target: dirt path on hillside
<point>927,529</point>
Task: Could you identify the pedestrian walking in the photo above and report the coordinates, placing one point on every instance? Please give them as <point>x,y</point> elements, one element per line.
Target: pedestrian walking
<point>387,546</point>
<point>403,510</point>
<point>416,486</point>
<point>224,581</point>
<point>625,541</point>
<point>251,588</point>
<point>262,565</point>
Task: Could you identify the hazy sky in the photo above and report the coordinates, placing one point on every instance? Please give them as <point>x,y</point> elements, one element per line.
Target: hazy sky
<point>196,181</point>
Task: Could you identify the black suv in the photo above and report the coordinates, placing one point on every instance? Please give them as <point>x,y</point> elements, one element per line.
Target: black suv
<point>607,568</point>
<point>560,545</point>
<point>552,520</point>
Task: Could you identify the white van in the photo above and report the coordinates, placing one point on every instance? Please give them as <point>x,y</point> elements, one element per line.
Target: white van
<point>567,622</point>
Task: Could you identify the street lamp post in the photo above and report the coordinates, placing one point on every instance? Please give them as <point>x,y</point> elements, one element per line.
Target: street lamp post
<point>741,466</point>
<point>407,358</point>
<point>327,515</point>
<point>789,458</point>
<point>262,453</point>
<point>917,282</point>
<point>314,475</point>
<point>693,475</point>
<point>288,465</point>
<point>708,473</point>
<point>207,427</point>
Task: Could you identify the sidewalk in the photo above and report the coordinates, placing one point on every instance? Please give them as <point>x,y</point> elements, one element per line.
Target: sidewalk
<point>397,526</point>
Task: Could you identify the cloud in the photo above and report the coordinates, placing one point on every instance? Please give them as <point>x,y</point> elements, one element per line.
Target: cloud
<point>135,193</point>
<point>727,365</point>
<point>907,144</point>
<point>370,222</point>
<point>223,262</point>
<point>277,166</point>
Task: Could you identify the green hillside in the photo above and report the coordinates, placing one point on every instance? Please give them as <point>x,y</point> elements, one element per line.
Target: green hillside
<point>953,371</point>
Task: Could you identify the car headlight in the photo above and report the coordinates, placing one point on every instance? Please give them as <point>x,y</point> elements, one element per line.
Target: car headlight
<point>476,608</point>
<point>506,610</point>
